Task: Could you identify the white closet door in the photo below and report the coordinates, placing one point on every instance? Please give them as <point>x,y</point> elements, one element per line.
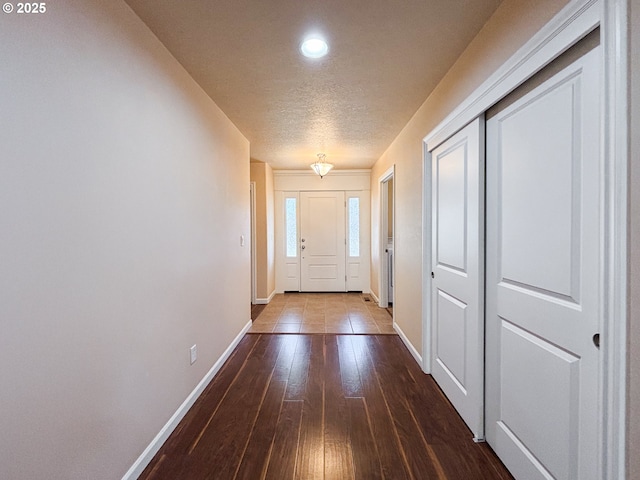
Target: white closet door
<point>544,274</point>
<point>457,265</point>
<point>322,241</point>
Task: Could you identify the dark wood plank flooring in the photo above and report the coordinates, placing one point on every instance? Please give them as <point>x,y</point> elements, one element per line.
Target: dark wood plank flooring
<point>334,407</point>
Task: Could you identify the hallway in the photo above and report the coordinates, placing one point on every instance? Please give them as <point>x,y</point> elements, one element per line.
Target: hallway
<point>158,161</point>
<point>322,407</point>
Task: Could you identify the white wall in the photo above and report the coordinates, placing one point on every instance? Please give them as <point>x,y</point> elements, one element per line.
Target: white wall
<point>123,194</point>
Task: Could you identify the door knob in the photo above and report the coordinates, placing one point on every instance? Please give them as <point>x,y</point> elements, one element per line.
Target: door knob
<point>302,240</point>
<point>302,247</point>
<point>596,340</point>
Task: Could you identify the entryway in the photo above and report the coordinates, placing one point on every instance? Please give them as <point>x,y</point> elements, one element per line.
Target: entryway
<point>322,232</point>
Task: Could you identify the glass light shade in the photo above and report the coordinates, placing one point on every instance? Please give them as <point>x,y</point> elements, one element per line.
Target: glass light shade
<point>321,167</point>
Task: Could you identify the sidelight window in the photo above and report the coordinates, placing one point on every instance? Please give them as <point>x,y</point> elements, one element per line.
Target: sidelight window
<point>291,227</point>
<point>354,226</point>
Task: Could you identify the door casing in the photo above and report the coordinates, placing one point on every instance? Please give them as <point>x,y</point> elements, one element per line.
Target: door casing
<point>383,273</point>
<point>252,206</point>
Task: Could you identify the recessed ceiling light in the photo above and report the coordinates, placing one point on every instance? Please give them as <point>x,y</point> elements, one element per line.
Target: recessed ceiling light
<point>314,47</point>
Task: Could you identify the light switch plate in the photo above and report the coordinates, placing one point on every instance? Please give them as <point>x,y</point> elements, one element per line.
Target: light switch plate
<point>193,352</point>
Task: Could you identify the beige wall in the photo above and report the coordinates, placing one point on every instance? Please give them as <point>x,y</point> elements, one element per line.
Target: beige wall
<point>123,195</point>
<point>262,175</point>
<point>513,23</point>
<point>634,244</point>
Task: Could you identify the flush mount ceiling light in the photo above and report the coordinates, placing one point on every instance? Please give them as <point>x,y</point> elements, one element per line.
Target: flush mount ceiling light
<point>314,47</point>
<point>320,166</point>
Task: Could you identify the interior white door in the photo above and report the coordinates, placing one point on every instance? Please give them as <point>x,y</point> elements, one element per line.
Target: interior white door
<point>544,275</point>
<point>457,299</point>
<point>322,242</point>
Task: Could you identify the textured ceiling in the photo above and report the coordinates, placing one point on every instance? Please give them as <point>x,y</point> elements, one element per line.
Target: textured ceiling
<point>385,58</point>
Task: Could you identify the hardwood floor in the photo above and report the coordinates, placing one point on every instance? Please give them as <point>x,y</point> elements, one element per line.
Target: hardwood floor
<point>322,407</point>
<point>323,313</point>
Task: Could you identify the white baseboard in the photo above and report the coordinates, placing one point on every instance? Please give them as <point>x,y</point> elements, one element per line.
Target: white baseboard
<point>373,296</point>
<point>408,344</point>
<point>143,460</point>
<point>265,301</point>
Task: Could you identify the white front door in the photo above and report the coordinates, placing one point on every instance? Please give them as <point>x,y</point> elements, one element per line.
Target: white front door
<point>322,242</point>
<point>457,270</point>
<point>544,270</point>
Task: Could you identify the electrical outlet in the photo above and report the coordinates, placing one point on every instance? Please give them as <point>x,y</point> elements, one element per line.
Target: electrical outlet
<point>193,352</point>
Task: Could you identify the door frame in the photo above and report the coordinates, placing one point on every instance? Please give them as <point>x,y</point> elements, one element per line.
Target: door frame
<point>252,207</point>
<point>427,234</point>
<point>571,24</point>
<point>383,274</point>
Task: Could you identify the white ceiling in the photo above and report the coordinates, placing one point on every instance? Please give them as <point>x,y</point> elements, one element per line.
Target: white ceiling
<point>385,58</point>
